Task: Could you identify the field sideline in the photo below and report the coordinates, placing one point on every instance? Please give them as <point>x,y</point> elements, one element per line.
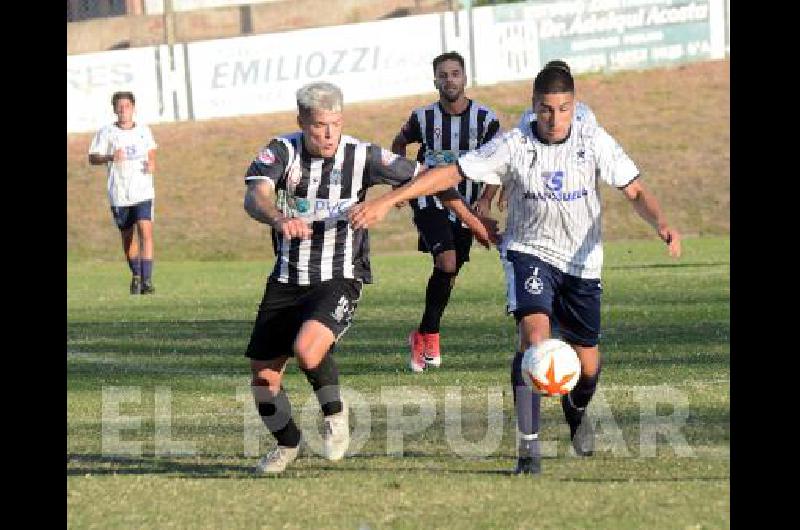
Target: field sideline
<point>175,361</point>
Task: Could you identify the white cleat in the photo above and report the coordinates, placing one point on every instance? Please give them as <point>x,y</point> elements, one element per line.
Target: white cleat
<point>336,435</point>
<point>277,459</point>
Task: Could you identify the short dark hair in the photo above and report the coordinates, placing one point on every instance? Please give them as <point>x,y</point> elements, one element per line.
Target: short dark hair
<point>558,63</point>
<point>122,95</point>
<point>448,56</point>
<point>554,78</point>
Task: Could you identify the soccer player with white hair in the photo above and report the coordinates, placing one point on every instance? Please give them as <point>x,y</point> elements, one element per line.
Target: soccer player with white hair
<point>321,261</point>
<point>552,250</point>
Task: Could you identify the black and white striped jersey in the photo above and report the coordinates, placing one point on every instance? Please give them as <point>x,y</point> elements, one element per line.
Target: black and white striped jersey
<point>553,190</point>
<point>445,137</point>
<point>321,191</point>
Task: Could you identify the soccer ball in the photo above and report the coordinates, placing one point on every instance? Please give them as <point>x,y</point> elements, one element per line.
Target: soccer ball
<point>551,368</point>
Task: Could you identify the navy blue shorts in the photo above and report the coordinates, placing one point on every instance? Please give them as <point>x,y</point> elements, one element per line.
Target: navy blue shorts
<point>438,233</point>
<point>285,307</point>
<point>126,216</point>
<point>535,286</point>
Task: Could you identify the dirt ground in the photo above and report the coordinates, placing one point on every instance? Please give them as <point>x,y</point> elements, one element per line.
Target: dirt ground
<point>673,122</point>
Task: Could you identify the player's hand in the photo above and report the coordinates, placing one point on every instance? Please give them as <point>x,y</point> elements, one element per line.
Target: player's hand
<point>482,207</point>
<point>502,200</point>
<point>672,238</point>
<point>119,155</point>
<point>485,231</point>
<point>368,213</point>
<point>294,228</point>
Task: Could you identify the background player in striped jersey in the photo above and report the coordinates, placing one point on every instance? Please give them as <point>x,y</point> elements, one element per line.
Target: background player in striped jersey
<point>552,250</point>
<point>129,151</point>
<point>445,129</point>
<point>582,113</point>
<point>321,261</point>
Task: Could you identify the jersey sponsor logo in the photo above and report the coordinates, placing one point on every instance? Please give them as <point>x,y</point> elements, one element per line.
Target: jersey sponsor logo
<point>534,284</point>
<point>441,157</point>
<point>319,209</point>
<point>556,196</point>
<point>266,156</point>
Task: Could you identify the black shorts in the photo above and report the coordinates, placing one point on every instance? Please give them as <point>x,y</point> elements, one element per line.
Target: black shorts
<point>126,216</point>
<point>438,233</point>
<point>285,307</point>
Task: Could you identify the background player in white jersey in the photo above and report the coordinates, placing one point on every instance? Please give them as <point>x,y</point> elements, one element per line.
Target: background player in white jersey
<point>551,251</point>
<point>321,262</point>
<point>582,113</point>
<point>446,129</point>
<point>129,151</point>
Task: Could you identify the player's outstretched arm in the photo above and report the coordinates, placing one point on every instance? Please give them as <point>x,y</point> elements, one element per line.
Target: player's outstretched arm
<point>428,182</point>
<point>646,205</point>
<point>259,203</point>
<point>484,204</point>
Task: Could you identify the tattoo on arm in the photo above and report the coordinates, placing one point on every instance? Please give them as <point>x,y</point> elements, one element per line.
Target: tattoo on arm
<point>259,203</point>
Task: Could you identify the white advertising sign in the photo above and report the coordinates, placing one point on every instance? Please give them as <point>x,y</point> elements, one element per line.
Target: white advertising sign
<point>92,78</point>
<point>258,74</point>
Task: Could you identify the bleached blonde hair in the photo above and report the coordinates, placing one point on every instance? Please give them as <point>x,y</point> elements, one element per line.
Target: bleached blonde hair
<point>319,96</point>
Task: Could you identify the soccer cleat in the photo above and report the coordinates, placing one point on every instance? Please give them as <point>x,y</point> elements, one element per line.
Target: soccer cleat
<point>336,435</point>
<point>148,287</point>
<point>581,429</point>
<point>417,357</point>
<point>136,285</point>
<point>277,459</point>
<point>528,466</point>
<point>529,460</point>
<point>431,350</point>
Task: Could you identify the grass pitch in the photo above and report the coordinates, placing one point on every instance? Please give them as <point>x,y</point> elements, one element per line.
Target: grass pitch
<point>162,431</point>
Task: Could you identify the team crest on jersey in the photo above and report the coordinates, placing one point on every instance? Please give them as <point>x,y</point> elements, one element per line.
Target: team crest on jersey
<point>266,156</point>
<point>534,284</point>
<point>336,177</point>
<point>301,205</point>
<point>437,132</point>
<point>580,155</point>
<point>343,310</point>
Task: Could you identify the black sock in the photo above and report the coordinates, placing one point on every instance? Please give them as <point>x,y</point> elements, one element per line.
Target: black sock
<point>440,284</point>
<point>276,413</point>
<point>135,265</point>
<point>147,269</point>
<point>584,390</point>
<point>526,402</point>
<point>324,380</point>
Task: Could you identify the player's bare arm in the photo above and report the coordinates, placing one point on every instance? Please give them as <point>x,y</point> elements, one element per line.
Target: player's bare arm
<point>259,203</point>
<point>484,204</point>
<point>646,205</point>
<point>428,182</point>
<point>483,228</point>
<point>150,165</point>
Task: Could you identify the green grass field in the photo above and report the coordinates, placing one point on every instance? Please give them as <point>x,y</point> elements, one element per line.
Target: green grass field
<point>176,357</point>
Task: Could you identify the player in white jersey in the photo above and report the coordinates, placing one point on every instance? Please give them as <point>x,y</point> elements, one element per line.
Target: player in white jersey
<point>583,113</point>
<point>445,130</point>
<point>321,263</point>
<point>129,151</point>
<point>552,250</point>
